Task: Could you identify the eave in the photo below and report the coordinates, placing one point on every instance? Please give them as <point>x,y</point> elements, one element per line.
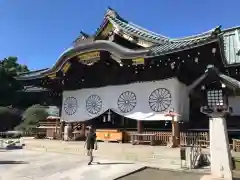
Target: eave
<point>34,89</point>
<point>35,74</point>
<point>116,51</point>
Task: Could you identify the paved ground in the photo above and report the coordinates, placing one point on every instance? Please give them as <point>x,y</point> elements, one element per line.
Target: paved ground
<point>153,174</point>
<point>35,165</point>
<point>153,156</point>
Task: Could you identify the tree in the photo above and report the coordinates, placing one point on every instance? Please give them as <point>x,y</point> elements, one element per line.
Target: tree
<point>8,86</point>
<point>31,118</point>
<point>12,67</point>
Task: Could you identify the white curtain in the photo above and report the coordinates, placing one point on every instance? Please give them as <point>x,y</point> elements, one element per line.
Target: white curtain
<point>139,101</point>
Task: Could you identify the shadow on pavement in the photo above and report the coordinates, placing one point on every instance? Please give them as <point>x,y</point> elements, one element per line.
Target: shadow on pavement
<point>12,162</point>
<point>112,163</point>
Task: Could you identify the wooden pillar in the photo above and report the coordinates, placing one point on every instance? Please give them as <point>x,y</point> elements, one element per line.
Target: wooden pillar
<point>55,133</point>
<point>83,131</point>
<point>61,131</point>
<point>124,137</point>
<point>139,126</point>
<point>123,122</point>
<point>175,134</point>
<point>71,130</point>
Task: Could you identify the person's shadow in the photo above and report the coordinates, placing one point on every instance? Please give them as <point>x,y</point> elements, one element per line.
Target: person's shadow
<point>12,162</point>
<point>111,163</point>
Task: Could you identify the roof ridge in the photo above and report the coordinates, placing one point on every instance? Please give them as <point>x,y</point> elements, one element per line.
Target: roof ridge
<point>161,39</point>
<point>231,29</point>
<point>196,36</point>
<point>149,31</point>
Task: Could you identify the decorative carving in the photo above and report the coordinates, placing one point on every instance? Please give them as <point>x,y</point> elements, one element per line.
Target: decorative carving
<point>127,101</point>
<point>89,57</point>
<point>94,104</point>
<point>66,67</point>
<point>52,76</point>
<point>70,105</point>
<point>160,99</point>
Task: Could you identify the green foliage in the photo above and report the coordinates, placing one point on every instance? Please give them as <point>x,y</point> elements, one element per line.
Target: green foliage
<point>8,119</point>
<point>8,86</point>
<point>11,66</point>
<point>31,118</point>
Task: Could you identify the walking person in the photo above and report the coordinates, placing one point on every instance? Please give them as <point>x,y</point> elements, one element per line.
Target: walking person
<point>91,143</point>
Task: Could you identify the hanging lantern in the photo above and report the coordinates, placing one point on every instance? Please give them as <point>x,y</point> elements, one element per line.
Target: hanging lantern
<point>109,115</point>
<point>196,59</point>
<point>104,119</point>
<point>214,50</point>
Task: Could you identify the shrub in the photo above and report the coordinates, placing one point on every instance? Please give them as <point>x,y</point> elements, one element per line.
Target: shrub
<point>31,118</point>
<point>8,118</point>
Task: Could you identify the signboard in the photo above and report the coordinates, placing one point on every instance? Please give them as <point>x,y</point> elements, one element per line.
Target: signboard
<point>137,61</point>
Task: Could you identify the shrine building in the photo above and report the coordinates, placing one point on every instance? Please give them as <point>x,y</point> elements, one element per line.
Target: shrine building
<point>126,77</point>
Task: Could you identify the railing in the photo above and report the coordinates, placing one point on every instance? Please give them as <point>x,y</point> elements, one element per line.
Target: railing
<point>49,124</point>
<point>236,145</point>
<point>162,138</point>
<point>195,153</point>
<point>190,138</point>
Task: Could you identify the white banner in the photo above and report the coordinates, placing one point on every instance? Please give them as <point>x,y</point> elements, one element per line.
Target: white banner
<point>139,101</point>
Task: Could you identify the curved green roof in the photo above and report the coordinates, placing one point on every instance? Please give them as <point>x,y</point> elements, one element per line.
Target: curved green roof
<point>147,35</point>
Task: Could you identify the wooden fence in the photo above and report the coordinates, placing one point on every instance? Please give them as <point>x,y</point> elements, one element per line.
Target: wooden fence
<point>236,145</point>
<point>162,138</point>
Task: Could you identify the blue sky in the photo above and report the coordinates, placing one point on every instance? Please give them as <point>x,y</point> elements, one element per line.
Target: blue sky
<point>38,31</point>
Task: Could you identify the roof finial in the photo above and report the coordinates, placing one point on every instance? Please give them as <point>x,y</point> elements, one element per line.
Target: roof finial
<point>217,31</point>
<point>85,35</point>
<point>111,12</point>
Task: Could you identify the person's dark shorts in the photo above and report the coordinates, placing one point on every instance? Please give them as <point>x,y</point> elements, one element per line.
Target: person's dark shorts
<point>90,146</point>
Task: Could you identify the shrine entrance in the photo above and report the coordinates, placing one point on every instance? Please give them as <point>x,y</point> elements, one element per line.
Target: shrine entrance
<point>112,127</point>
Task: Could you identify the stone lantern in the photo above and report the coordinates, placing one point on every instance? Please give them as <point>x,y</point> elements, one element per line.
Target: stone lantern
<point>213,87</point>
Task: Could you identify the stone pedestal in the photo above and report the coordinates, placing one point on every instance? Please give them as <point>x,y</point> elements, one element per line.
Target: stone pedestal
<point>219,150</point>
